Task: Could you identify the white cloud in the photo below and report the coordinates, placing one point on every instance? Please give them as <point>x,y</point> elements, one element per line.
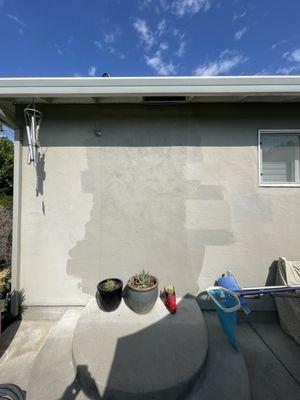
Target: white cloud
<point>227,61</point>
<point>110,37</point>
<point>293,56</point>
<point>98,44</point>
<point>275,45</point>
<point>164,46</point>
<point>145,34</point>
<point>239,34</point>
<point>293,62</point>
<point>159,43</point>
<point>17,20</point>
<point>287,70</point>
<point>157,63</point>
<point>181,49</point>
<point>240,15</point>
<point>263,71</point>
<point>144,4</point>
<point>108,40</point>
<point>92,71</point>
<point>58,48</point>
<point>185,7</point>
<point>181,43</point>
<point>286,54</point>
<point>161,27</point>
<point>116,53</point>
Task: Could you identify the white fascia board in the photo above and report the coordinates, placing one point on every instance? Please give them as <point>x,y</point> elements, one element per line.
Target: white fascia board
<point>129,86</point>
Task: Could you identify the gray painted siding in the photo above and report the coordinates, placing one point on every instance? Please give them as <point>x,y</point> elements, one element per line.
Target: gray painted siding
<point>173,190</point>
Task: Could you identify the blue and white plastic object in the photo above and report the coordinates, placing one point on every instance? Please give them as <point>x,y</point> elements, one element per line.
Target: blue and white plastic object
<point>227,304</point>
<point>229,298</point>
<point>229,282</point>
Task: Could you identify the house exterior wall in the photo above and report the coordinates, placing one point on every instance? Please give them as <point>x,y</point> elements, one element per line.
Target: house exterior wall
<point>171,189</point>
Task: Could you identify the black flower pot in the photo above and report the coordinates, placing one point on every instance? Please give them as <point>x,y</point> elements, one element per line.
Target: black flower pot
<point>109,300</point>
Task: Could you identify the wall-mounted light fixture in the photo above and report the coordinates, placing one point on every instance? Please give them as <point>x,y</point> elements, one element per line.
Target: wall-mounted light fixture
<point>98,133</point>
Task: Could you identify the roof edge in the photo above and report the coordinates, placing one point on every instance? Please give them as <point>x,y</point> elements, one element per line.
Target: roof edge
<point>145,86</point>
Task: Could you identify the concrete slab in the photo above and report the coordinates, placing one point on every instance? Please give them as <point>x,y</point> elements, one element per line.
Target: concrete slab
<point>269,380</point>
<point>53,374</point>
<point>283,346</point>
<point>19,347</point>
<point>226,375</point>
<point>39,313</point>
<point>124,355</point>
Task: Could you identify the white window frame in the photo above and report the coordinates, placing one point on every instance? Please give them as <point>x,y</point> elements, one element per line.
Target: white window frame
<point>273,131</point>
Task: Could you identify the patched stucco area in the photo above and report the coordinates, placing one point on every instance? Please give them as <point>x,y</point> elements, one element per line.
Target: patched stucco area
<point>171,189</point>
<point>142,216</point>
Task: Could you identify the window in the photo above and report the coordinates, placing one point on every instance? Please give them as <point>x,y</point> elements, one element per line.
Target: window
<point>279,157</point>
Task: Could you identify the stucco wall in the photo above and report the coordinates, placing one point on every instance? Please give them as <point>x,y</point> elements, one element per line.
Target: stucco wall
<point>173,190</point>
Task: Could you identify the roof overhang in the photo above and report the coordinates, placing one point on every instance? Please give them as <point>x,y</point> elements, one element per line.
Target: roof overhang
<point>135,89</point>
<point>158,86</point>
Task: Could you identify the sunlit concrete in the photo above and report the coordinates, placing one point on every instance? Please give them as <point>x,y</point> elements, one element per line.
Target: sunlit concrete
<point>151,356</point>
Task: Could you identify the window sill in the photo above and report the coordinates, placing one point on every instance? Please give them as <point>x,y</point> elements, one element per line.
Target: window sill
<point>279,184</point>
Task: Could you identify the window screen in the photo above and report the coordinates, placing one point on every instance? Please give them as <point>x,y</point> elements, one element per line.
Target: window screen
<point>279,158</point>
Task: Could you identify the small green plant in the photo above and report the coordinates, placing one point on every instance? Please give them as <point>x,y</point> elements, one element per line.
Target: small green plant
<point>110,285</point>
<point>142,279</point>
<point>6,201</point>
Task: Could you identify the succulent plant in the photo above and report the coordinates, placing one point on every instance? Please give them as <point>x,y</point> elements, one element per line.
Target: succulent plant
<point>142,279</point>
<point>110,285</point>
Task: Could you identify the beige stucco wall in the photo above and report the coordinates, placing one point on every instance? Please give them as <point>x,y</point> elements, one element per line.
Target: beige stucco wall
<point>171,189</point>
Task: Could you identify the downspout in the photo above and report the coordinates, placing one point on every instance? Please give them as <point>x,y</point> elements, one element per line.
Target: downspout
<point>16,237</point>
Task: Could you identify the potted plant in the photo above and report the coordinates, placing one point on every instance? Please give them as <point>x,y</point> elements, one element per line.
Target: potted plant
<point>109,293</point>
<point>141,292</point>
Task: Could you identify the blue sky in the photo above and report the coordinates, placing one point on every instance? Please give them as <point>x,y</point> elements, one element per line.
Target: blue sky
<point>149,37</point>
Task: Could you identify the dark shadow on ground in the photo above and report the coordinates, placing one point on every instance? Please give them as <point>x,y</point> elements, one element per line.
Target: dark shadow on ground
<point>90,389</point>
<point>8,336</point>
<point>162,361</point>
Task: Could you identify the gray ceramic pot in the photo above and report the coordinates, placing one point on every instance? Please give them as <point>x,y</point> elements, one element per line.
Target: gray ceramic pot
<point>141,301</point>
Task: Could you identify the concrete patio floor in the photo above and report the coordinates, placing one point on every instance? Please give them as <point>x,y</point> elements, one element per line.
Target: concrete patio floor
<point>36,354</point>
<point>272,359</point>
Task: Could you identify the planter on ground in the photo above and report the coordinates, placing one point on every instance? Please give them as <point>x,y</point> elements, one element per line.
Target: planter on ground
<point>109,294</point>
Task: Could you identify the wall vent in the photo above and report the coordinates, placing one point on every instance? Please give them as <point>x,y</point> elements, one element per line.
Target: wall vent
<point>164,99</point>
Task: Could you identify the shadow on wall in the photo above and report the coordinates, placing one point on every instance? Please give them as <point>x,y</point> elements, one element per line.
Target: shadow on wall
<point>67,125</point>
<point>40,174</point>
<point>40,178</point>
<point>271,278</point>
<point>150,207</point>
